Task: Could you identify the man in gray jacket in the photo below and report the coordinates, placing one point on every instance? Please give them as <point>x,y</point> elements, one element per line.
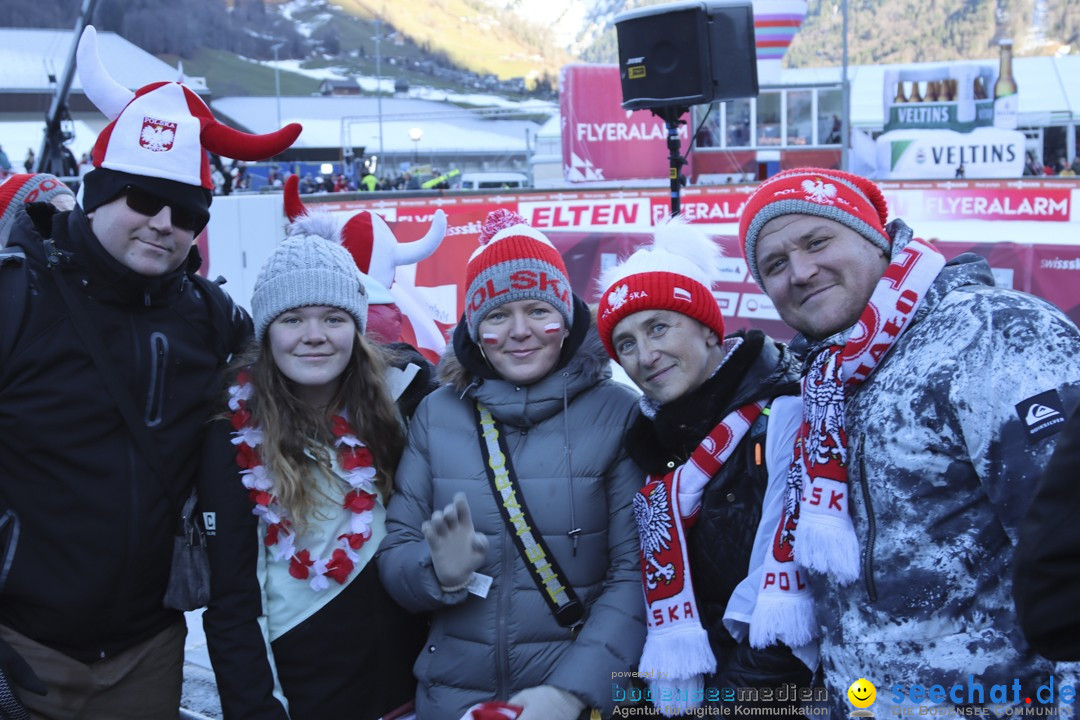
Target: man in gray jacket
<point>931,405</point>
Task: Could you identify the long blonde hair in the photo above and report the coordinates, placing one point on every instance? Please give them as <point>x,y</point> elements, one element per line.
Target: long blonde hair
<point>291,428</point>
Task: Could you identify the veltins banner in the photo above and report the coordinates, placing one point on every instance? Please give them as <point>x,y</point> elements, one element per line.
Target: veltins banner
<point>984,152</point>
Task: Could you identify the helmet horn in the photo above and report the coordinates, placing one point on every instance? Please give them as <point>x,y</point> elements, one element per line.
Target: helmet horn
<point>417,250</point>
<point>109,96</point>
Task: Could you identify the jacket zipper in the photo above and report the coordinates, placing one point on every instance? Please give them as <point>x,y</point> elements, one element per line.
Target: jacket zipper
<point>871,527</point>
<point>502,669</point>
<point>155,398</point>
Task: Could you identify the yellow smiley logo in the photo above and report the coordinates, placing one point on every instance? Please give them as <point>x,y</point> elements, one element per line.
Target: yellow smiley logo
<point>862,693</point>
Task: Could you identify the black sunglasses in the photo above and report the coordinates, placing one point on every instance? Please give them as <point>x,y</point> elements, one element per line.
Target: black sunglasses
<point>149,204</point>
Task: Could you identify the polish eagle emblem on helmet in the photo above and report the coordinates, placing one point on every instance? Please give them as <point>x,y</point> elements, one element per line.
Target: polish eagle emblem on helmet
<point>157,135</point>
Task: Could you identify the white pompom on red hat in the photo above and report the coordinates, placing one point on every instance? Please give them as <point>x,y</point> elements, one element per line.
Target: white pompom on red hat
<point>675,272</point>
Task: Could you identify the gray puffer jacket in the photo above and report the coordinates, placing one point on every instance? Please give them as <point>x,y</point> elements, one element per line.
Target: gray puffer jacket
<point>565,438</point>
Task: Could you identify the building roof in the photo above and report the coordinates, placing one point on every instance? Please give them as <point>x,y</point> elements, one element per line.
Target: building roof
<point>445,128</point>
<point>16,137</point>
<point>29,56</point>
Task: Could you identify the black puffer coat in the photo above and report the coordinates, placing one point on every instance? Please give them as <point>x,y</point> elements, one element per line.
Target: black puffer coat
<point>720,542</point>
<point>90,560</point>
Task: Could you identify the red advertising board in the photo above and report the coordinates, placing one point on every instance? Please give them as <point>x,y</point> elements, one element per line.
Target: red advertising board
<point>600,140</point>
<point>1032,204</point>
<point>594,229</point>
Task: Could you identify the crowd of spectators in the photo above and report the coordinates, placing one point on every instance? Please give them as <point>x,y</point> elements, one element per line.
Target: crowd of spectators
<point>1062,167</point>
<point>318,183</point>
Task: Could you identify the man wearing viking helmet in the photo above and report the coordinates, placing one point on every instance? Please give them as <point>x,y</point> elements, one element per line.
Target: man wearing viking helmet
<point>103,399</point>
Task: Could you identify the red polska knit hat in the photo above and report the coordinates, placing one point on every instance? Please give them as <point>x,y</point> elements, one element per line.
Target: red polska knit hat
<point>833,194</point>
<point>675,273</point>
<point>514,262</point>
<point>26,188</point>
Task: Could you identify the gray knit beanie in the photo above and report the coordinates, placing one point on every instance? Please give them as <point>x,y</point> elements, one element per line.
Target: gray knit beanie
<point>309,267</point>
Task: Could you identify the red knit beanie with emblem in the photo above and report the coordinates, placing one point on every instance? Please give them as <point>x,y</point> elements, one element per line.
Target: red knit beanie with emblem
<point>675,273</point>
<point>839,196</point>
<point>514,262</point>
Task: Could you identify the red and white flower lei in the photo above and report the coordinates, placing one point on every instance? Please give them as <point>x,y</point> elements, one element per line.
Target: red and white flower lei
<point>356,462</point>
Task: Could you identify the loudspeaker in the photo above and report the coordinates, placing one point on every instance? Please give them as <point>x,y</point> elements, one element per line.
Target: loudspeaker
<point>687,53</point>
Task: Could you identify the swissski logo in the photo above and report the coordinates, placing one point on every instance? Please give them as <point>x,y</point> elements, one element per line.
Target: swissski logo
<point>157,135</point>
<point>1042,415</point>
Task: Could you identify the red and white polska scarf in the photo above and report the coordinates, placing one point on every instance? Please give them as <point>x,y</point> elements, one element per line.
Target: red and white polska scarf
<point>677,654</point>
<point>816,501</point>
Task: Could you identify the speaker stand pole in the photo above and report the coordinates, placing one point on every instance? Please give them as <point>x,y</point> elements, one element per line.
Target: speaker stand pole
<point>672,117</point>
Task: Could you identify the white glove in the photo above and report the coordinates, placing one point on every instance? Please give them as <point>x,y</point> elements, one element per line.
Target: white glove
<point>545,702</point>
<point>456,548</point>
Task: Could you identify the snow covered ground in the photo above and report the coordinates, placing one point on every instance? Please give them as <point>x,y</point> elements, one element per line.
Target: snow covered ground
<point>200,698</point>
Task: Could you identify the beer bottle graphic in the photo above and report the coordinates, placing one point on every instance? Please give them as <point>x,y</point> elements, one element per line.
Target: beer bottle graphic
<point>1006,105</point>
<point>979,91</point>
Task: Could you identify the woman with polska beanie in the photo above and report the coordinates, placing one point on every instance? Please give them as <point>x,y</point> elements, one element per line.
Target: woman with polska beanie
<point>296,477</point>
<point>513,523</point>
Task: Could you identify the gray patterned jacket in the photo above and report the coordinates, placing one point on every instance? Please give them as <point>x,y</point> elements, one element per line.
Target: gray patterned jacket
<point>948,438</point>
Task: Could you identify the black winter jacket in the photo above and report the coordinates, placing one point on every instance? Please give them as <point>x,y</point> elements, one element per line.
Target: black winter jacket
<point>1047,583</point>
<point>720,542</point>
<point>90,553</point>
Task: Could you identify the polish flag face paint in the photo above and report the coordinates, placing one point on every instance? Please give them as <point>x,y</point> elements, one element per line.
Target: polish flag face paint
<point>489,338</point>
<point>552,328</point>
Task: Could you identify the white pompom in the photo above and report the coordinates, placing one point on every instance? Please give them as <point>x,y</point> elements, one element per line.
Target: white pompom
<point>318,223</point>
<point>677,247</point>
<point>679,237</point>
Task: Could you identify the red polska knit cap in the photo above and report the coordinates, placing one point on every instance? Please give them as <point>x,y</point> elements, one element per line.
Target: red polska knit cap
<point>514,262</point>
<point>26,188</point>
<point>833,194</point>
<point>675,273</point>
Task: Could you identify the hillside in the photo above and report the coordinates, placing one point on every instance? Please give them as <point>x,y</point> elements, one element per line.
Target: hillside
<point>499,46</point>
<point>933,30</point>
<point>462,44</point>
<point>470,33</point>
<point>895,31</point>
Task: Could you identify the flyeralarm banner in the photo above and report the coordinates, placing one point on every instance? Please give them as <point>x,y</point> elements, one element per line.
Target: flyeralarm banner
<point>600,140</point>
<point>1026,228</point>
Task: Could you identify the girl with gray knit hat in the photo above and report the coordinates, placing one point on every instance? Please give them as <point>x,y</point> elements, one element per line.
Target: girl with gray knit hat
<point>297,474</point>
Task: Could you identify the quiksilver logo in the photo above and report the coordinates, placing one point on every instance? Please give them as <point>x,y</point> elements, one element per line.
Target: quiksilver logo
<point>1043,415</point>
<point>1038,413</point>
